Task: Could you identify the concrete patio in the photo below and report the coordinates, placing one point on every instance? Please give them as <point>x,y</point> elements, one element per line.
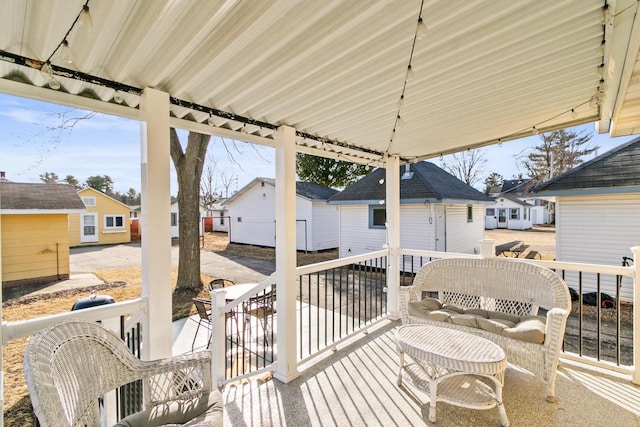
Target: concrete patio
<point>356,386</point>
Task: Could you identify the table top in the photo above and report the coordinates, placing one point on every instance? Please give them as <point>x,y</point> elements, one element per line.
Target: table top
<point>451,349</point>
<point>236,291</point>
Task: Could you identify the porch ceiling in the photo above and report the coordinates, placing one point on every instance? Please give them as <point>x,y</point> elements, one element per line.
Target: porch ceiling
<point>487,71</point>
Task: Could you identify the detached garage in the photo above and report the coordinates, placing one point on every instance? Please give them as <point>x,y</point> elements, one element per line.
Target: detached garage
<point>252,212</point>
<point>34,232</point>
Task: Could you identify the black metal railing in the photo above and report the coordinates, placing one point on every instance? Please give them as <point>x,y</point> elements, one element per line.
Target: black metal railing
<point>129,396</point>
<point>335,302</point>
<point>600,325</point>
<point>410,265</point>
<point>249,334</point>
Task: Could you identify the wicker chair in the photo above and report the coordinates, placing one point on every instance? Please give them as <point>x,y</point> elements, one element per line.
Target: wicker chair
<point>501,285</point>
<point>71,365</point>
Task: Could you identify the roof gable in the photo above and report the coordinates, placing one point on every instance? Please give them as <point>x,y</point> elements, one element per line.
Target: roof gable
<point>308,190</point>
<point>82,193</point>
<point>619,167</point>
<point>428,181</point>
<point>41,197</point>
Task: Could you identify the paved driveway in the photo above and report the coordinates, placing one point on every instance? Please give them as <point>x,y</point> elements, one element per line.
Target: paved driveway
<point>236,268</point>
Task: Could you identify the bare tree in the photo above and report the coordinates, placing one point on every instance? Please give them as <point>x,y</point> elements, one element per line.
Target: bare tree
<point>189,164</point>
<point>466,165</point>
<point>209,193</point>
<point>227,179</point>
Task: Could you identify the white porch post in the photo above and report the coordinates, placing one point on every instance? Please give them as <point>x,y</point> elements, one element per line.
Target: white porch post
<point>635,378</point>
<point>392,200</point>
<point>487,248</point>
<point>155,224</point>
<point>287,365</point>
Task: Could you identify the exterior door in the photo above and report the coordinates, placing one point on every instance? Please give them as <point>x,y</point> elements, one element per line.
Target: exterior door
<point>88,228</point>
<point>502,218</point>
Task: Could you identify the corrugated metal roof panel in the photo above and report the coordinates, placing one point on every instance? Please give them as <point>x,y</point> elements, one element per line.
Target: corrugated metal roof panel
<point>485,71</point>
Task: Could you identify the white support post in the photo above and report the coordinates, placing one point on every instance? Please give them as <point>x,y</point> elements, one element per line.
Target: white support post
<point>635,378</point>
<point>218,338</point>
<point>487,248</point>
<point>287,365</point>
<point>392,200</point>
<point>155,224</point>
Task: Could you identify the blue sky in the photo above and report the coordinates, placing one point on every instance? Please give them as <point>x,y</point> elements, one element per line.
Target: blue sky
<point>107,145</point>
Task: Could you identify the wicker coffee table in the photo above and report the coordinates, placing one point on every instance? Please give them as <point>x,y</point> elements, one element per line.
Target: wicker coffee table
<point>449,364</point>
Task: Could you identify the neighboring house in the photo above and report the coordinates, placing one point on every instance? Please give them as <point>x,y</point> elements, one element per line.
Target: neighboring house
<point>217,217</point>
<point>175,232</point>
<point>508,212</point>
<point>105,222</point>
<point>253,208</point>
<point>516,208</point>
<point>597,212</point>
<point>437,212</point>
<point>34,231</point>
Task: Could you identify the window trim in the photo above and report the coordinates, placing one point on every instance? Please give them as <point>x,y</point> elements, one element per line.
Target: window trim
<point>469,213</point>
<point>372,209</point>
<point>89,201</point>
<point>174,219</point>
<point>115,221</point>
<point>517,212</point>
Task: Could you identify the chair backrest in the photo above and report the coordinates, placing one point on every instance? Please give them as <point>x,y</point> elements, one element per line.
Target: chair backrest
<point>262,304</point>
<point>202,306</point>
<point>69,366</point>
<point>499,279</point>
<point>220,283</point>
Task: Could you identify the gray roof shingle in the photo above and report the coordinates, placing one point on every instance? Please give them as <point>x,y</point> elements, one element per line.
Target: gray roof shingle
<point>619,167</point>
<point>27,196</point>
<point>428,182</point>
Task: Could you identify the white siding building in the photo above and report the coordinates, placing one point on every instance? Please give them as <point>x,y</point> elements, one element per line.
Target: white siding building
<point>252,216</point>
<point>437,212</point>
<point>597,212</point>
<point>175,232</point>
<point>509,212</point>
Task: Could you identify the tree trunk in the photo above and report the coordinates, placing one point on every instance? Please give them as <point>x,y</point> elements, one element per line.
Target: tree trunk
<point>189,166</point>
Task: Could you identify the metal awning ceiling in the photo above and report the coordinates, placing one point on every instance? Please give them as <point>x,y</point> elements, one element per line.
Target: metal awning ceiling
<point>487,71</point>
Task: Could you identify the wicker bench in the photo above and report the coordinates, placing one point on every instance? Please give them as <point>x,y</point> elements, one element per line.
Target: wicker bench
<point>504,289</point>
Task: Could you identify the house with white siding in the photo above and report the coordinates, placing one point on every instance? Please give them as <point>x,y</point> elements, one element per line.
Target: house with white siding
<point>175,218</point>
<point>512,198</point>
<point>252,212</point>
<point>508,212</point>
<point>597,212</point>
<point>437,212</point>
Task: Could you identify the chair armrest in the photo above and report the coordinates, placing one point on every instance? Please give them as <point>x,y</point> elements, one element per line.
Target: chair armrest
<point>407,294</point>
<point>178,377</point>
<point>556,323</point>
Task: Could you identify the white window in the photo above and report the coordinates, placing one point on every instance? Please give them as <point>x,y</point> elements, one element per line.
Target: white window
<point>515,213</point>
<point>113,221</point>
<point>89,201</point>
<point>491,212</point>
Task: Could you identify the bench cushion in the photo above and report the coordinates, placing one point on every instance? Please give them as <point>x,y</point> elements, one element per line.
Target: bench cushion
<point>525,328</point>
<point>205,411</point>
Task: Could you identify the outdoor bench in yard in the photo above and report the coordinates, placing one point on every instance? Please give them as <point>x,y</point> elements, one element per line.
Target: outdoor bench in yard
<point>497,299</point>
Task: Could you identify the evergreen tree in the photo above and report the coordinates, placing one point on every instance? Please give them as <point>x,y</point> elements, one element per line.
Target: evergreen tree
<point>493,180</point>
<point>49,178</point>
<point>559,151</point>
<point>329,172</point>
